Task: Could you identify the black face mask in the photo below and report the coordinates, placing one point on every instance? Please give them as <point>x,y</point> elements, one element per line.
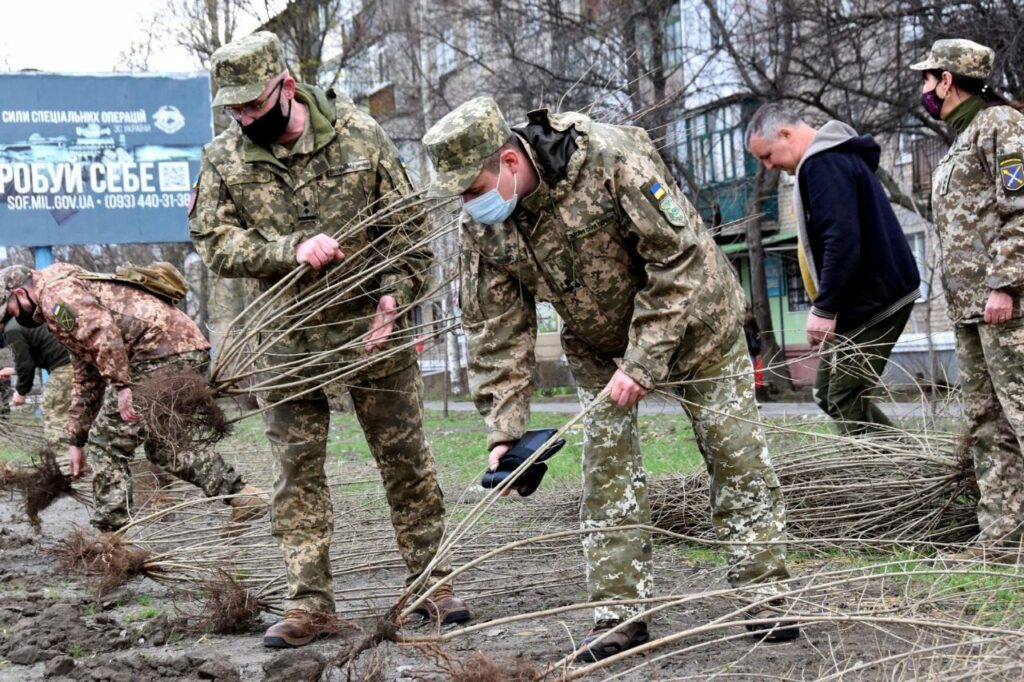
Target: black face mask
<point>27,320</point>
<point>269,127</point>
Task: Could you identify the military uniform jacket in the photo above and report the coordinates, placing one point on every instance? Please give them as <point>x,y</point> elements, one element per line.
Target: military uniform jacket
<point>255,205</point>
<point>978,202</point>
<point>621,255</point>
<point>107,326</point>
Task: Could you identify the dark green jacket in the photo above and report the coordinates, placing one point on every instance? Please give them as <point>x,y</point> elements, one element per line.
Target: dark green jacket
<point>33,348</point>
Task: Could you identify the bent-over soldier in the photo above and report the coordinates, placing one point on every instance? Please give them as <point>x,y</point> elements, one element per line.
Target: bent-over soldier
<point>586,216</point>
<point>118,334</point>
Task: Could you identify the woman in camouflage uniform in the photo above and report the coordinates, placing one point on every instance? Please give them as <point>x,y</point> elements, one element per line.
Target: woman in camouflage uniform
<point>978,204</point>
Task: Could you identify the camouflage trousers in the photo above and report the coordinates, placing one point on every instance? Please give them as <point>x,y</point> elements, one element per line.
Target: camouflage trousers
<point>849,369</point>
<point>747,510</point>
<point>991,360</point>
<point>390,413</point>
<point>56,403</point>
<point>113,442</point>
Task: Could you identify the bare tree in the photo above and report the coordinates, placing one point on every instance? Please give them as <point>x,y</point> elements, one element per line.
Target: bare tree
<point>205,25</point>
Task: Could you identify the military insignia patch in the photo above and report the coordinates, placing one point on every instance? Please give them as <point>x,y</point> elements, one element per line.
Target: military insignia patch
<point>672,212</point>
<point>192,199</point>
<point>665,203</point>
<point>1011,172</point>
<point>65,316</point>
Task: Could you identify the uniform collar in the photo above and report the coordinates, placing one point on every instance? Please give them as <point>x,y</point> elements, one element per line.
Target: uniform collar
<point>319,130</point>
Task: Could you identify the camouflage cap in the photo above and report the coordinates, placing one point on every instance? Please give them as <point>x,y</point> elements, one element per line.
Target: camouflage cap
<point>242,68</point>
<point>961,57</point>
<point>11,278</point>
<point>459,143</point>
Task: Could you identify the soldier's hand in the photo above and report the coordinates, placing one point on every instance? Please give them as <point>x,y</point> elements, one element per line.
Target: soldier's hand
<point>77,457</point>
<point>492,462</point>
<point>17,399</point>
<point>623,390</point>
<point>6,372</point>
<point>318,251</point>
<point>125,407</point>
<point>999,307</point>
<point>383,322</point>
<point>820,330</point>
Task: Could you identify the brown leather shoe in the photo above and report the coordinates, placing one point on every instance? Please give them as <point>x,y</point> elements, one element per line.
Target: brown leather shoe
<point>298,628</point>
<point>599,645</point>
<point>250,505</point>
<point>777,628</point>
<point>444,607</point>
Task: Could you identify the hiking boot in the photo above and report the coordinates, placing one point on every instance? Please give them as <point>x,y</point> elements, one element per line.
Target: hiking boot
<point>250,505</point>
<point>298,628</point>
<point>591,650</point>
<point>779,630</point>
<point>444,607</point>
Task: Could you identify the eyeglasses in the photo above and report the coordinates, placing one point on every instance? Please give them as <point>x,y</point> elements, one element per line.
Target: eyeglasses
<point>251,109</point>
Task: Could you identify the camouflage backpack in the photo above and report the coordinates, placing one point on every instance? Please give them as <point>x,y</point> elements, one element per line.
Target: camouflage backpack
<point>161,279</point>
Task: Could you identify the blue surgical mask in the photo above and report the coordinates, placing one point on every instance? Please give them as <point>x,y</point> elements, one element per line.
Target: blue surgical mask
<point>490,207</point>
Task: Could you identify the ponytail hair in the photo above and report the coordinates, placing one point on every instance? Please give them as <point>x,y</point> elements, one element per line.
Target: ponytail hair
<point>980,87</point>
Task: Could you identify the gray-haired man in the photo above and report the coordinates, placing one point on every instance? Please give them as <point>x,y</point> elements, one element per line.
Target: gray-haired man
<point>854,258</point>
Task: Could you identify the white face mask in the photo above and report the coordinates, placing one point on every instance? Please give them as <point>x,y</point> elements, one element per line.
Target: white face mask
<point>490,207</point>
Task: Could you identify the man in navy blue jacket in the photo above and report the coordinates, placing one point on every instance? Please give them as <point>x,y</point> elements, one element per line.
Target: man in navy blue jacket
<point>854,257</point>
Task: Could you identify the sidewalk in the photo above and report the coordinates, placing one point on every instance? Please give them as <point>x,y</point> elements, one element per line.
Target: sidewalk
<point>657,406</point>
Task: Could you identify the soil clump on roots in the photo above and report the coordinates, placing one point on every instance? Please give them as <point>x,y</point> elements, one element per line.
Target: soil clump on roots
<point>180,411</point>
<point>39,484</point>
<point>106,557</point>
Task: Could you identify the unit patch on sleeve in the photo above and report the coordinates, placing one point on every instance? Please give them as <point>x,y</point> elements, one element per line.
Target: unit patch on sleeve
<point>660,197</point>
<point>65,315</point>
<point>1011,172</point>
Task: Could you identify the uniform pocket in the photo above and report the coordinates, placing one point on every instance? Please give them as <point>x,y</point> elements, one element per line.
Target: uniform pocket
<point>1010,333</point>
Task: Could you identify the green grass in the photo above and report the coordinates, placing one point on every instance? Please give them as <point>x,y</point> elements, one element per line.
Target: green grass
<point>11,454</point>
<point>142,614</point>
<point>992,593</point>
<point>459,443</point>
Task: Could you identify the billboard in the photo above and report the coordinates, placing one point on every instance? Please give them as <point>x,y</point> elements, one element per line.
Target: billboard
<point>99,159</point>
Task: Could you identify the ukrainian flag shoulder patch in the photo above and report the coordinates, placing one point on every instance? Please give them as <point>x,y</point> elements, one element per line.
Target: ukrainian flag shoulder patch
<point>65,315</point>
<point>664,202</point>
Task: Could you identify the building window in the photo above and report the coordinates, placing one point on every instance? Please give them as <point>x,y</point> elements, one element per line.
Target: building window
<point>444,55</point>
<point>795,291</point>
<point>473,40</point>
<point>927,152</point>
<point>919,247</point>
<point>367,72</point>
<point>382,102</point>
<point>673,40</point>
<point>548,321</point>
<point>710,144</point>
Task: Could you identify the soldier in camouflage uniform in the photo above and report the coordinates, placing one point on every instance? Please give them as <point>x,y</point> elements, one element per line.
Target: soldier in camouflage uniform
<point>300,165</point>
<point>586,216</point>
<point>36,348</point>
<point>978,202</point>
<point>118,334</point>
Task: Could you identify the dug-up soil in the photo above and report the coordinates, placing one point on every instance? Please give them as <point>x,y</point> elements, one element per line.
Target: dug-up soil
<point>54,626</point>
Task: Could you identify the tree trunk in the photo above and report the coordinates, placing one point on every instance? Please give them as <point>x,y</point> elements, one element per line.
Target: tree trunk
<point>777,376</point>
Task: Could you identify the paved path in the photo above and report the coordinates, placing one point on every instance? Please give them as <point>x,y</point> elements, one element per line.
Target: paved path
<point>653,407</point>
